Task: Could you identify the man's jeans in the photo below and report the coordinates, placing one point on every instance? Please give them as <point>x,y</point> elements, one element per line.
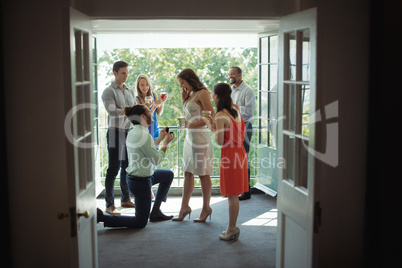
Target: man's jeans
<point>117,154</point>
<point>246,144</point>
<point>141,189</point>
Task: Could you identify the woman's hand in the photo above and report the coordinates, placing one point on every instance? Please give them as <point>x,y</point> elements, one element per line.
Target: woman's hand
<point>187,124</point>
<point>148,105</point>
<point>158,102</point>
<point>184,94</point>
<point>210,122</point>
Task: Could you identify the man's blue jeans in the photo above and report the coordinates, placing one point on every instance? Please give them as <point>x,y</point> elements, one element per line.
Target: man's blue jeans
<point>117,156</point>
<point>246,144</point>
<point>141,189</point>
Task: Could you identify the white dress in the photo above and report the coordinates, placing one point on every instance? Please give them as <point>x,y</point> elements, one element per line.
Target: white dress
<point>197,149</point>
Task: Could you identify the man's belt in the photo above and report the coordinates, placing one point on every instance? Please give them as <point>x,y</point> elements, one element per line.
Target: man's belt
<point>136,178</point>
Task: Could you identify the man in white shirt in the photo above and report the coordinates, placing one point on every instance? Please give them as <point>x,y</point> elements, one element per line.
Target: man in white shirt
<point>243,97</point>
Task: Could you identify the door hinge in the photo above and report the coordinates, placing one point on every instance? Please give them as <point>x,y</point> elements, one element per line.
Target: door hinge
<point>317,216</point>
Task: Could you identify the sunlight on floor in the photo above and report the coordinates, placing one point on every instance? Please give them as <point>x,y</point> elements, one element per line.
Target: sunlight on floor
<point>172,207</point>
<point>266,219</point>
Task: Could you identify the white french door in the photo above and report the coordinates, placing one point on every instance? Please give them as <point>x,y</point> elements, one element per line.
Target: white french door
<point>82,186</point>
<point>267,151</point>
<point>296,94</point>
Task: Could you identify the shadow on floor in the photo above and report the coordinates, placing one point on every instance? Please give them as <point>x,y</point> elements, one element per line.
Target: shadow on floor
<point>190,244</point>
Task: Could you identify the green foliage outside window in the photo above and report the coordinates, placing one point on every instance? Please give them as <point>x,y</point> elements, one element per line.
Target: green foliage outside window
<point>162,66</point>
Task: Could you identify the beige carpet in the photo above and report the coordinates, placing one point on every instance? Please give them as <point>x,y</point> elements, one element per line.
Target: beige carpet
<point>189,244</point>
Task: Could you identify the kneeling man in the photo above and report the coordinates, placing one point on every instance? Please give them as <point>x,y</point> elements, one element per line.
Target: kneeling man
<point>142,156</point>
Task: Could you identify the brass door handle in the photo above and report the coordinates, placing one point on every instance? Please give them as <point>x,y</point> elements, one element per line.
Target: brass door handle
<point>84,214</point>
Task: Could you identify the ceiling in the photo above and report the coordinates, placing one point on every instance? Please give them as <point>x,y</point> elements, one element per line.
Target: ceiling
<point>183,26</point>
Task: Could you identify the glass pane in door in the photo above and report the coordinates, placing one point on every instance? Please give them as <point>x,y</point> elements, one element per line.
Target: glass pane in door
<point>289,150</point>
<point>273,105</point>
<point>264,49</point>
<point>89,158</point>
<point>303,160</point>
<point>264,105</point>
<point>305,104</point>
<point>86,55</point>
<point>82,182</point>
<point>88,115</point>
<point>264,131</point>
<point>290,107</point>
<point>273,77</point>
<point>273,49</point>
<point>80,115</point>
<point>306,55</point>
<point>264,77</point>
<point>78,56</point>
<point>291,38</point>
<point>272,133</point>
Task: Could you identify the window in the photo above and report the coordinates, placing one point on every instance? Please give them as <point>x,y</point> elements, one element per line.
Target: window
<point>162,65</point>
<point>267,175</point>
<point>268,97</point>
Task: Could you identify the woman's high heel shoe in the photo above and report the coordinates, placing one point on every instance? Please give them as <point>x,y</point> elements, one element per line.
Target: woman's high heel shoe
<point>188,212</point>
<point>234,236</point>
<point>203,220</point>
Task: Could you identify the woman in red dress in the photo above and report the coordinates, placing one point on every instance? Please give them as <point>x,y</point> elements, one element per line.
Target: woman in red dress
<point>229,132</point>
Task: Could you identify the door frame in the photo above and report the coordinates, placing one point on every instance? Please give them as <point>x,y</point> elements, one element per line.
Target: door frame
<point>278,93</point>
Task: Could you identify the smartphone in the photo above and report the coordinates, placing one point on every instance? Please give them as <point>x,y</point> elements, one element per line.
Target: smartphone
<point>167,129</point>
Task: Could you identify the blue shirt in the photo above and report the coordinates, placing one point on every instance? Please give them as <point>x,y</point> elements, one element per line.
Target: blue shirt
<point>154,128</point>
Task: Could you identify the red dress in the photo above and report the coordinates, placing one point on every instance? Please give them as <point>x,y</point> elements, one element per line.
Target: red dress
<point>234,166</point>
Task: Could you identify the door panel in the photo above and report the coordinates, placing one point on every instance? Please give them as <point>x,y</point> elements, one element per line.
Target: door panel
<point>295,251</point>
<point>296,101</point>
<point>83,192</point>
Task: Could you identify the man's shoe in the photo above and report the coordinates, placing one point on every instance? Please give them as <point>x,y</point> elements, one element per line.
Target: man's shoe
<point>99,215</point>
<point>159,216</point>
<point>127,204</point>
<point>113,210</point>
<point>244,196</point>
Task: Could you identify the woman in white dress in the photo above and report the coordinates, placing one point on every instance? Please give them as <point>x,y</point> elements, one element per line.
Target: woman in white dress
<point>197,149</point>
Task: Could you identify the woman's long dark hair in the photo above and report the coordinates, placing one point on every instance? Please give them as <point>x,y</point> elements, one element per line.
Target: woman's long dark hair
<point>193,79</point>
<point>223,91</point>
